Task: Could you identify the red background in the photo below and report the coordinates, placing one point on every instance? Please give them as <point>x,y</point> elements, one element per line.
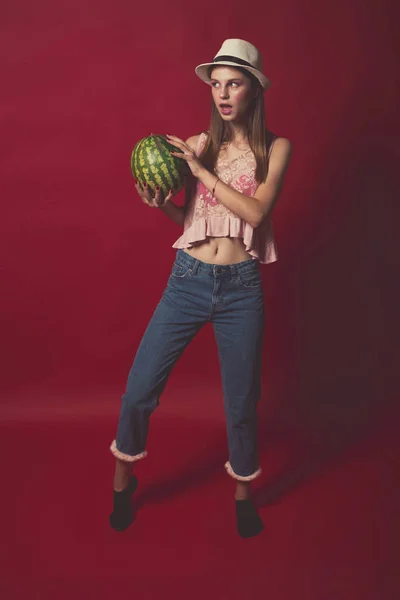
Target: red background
<point>84,261</point>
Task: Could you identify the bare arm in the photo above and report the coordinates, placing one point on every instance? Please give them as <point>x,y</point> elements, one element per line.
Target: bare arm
<point>174,212</point>
<point>254,209</point>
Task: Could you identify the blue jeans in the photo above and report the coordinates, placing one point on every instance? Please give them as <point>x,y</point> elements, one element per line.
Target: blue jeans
<point>231,297</point>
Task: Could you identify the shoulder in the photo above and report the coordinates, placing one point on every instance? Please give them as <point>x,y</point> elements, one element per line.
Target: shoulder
<point>281,149</point>
<point>194,140</point>
<point>275,140</point>
<point>279,158</point>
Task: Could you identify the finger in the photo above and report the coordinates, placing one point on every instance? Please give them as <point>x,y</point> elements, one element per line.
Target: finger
<point>143,197</point>
<point>177,141</point>
<point>182,155</point>
<point>144,193</point>
<point>180,146</point>
<point>174,138</point>
<point>140,192</point>
<point>169,196</point>
<point>150,201</point>
<point>147,192</point>
<point>139,188</point>
<point>158,200</point>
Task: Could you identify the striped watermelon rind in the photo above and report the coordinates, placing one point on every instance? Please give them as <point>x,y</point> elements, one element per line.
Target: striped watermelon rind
<point>151,162</point>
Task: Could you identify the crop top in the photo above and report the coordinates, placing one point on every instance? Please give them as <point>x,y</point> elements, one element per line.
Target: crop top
<point>206,216</point>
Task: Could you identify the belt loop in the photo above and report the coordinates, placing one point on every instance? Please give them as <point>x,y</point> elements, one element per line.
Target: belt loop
<point>195,266</point>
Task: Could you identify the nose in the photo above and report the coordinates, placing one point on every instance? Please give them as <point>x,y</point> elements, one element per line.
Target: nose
<point>223,92</point>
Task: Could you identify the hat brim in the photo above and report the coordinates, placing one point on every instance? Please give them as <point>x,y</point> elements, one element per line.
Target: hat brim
<point>202,72</point>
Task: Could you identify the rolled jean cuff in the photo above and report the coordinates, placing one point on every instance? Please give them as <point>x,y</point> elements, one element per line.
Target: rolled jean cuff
<point>126,457</point>
<point>240,477</point>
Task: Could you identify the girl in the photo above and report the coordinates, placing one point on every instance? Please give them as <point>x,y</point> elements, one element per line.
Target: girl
<point>237,170</point>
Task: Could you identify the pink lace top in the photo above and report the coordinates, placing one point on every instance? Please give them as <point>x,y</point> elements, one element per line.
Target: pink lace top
<point>206,216</point>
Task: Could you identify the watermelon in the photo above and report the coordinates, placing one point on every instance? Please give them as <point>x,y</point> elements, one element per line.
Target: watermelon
<point>151,162</point>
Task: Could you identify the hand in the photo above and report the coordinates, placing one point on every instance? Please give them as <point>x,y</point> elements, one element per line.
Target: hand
<point>147,198</point>
<point>188,154</point>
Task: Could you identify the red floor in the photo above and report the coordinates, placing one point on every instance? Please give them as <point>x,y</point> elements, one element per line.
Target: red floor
<point>331,518</point>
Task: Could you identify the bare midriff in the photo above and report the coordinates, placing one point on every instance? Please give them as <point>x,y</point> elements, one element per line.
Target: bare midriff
<point>219,250</point>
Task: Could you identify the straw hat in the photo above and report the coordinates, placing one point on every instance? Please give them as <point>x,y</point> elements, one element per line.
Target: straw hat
<point>236,53</point>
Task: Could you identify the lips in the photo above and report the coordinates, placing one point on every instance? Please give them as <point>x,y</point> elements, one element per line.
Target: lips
<point>226,109</point>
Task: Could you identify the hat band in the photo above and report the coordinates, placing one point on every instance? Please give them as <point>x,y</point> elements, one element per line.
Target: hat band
<point>240,61</point>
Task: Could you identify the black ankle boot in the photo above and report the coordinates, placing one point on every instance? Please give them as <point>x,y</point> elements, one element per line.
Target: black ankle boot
<point>248,521</point>
<point>122,516</point>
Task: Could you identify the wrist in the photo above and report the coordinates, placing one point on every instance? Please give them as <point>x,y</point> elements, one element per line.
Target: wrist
<point>202,174</point>
<point>208,179</point>
<point>215,185</point>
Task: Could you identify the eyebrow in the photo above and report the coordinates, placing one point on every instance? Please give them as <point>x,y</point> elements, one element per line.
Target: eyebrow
<point>228,80</point>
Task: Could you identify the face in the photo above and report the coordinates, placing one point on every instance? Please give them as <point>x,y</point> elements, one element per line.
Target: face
<point>231,92</point>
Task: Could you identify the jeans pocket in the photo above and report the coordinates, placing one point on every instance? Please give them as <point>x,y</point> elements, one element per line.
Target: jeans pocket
<point>250,279</point>
<point>180,271</point>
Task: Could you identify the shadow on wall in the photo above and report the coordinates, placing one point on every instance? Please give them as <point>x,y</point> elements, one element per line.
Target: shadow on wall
<point>346,316</point>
